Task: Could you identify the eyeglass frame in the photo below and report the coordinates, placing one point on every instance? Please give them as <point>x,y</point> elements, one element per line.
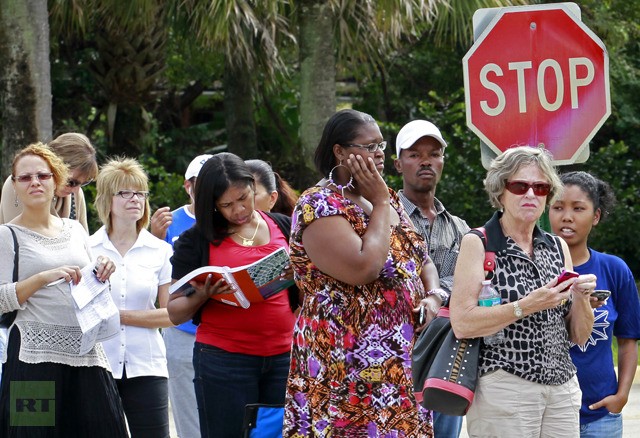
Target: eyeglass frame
<point>40,176</point>
<point>145,195</point>
<point>536,186</point>
<point>371,147</point>
<point>73,183</point>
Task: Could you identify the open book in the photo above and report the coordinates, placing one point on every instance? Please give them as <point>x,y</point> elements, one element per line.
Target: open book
<point>251,283</point>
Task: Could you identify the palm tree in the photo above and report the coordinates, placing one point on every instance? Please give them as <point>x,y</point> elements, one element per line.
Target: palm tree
<point>356,35</point>
<point>248,33</point>
<point>129,40</point>
<point>25,82</point>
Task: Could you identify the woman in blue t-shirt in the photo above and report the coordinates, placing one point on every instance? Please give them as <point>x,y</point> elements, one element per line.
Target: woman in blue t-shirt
<point>585,202</point>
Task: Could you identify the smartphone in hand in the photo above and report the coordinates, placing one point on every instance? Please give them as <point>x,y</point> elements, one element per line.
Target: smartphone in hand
<point>601,295</point>
<point>565,275</point>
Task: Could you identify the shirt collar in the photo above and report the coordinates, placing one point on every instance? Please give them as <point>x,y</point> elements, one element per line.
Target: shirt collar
<point>145,238</point>
<point>410,207</point>
<point>496,240</point>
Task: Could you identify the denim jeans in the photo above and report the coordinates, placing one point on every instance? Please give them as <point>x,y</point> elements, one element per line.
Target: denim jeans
<point>226,382</point>
<point>609,426</point>
<point>446,426</point>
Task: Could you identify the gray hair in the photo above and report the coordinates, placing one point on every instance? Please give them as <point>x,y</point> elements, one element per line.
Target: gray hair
<point>509,162</point>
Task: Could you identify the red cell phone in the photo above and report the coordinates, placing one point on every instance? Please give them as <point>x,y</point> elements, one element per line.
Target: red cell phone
<point>565,275</point>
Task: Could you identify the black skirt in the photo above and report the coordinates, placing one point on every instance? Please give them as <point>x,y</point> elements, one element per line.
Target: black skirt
<point>54,400</point>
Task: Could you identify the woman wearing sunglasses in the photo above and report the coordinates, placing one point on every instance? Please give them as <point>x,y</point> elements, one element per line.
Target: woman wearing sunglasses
<point>527,383</point>
<point>43,358</point>
<point>79,155</point>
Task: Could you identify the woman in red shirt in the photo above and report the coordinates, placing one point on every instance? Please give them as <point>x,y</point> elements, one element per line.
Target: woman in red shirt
<point>241,356</point>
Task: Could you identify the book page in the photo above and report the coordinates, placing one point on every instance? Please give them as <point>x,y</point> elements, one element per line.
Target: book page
<point>98,316</point>
<point>252,283</point>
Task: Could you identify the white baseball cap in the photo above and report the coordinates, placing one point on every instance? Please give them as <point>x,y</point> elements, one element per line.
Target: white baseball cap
<point>415,130</point>
<point>195,166</point>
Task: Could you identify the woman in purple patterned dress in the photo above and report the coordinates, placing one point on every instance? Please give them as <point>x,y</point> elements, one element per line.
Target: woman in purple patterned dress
<point>362,269</point>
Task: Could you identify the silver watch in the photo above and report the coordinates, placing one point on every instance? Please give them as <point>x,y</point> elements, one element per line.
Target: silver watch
<point>517,310</point>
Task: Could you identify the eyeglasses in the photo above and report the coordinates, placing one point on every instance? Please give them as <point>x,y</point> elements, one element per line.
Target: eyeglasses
<point>75,183</point>
<point>522,187</point>
<point>29,177</point>
<point>371,147</point>
<point>129,194</point>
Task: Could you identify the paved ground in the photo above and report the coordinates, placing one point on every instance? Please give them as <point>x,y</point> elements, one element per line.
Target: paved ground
<point>630,413</point>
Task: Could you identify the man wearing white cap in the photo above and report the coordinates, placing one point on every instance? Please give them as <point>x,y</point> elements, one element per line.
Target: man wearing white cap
<point>420,160</point>
<point>179,340</point>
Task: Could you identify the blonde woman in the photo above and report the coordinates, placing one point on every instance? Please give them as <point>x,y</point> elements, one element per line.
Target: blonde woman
<point>137,355</point>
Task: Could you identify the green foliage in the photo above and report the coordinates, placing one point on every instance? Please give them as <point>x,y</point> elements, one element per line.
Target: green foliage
<point>615,163</point>
<point>166,188</point>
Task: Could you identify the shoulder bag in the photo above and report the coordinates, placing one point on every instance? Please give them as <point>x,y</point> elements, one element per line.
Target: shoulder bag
<point>445,368</point>
<point>6,319</point>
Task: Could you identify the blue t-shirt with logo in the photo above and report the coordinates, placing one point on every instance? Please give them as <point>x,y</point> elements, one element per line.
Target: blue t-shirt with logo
<point>182,220</point>
<point>619,317</point>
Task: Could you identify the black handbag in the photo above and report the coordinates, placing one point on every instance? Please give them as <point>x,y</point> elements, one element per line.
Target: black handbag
<point>445,368</point>
<point>6,319</point>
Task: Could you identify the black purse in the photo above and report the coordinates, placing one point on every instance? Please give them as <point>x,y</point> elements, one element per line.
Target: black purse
<point>6,319</point>
<point>445,368</point>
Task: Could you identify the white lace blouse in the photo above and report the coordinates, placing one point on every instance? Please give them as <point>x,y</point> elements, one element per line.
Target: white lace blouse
<point>49,330</point>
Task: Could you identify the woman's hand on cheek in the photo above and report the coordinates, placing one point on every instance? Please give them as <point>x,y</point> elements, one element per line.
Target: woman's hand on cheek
<point>370,182</point>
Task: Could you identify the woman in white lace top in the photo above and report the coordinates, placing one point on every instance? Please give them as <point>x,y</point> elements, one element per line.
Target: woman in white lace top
<point>50,389</point>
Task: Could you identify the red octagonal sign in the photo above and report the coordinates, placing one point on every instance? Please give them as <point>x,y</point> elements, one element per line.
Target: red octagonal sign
<point>537,76</point>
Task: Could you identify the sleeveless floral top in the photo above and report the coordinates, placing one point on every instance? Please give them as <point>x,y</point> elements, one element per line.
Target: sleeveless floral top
<point>351,356</point>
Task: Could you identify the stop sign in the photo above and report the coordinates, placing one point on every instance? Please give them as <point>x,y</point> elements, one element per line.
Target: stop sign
<point>537,76</point>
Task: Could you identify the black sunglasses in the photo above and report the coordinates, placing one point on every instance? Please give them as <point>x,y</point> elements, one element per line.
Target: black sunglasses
<point>75,183</point>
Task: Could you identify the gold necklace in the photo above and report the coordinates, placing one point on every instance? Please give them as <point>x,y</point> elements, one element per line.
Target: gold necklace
<point>249,242</point>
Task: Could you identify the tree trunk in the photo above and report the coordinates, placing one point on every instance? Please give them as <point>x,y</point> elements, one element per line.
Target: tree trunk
<point>239,113</point>
<point>317,77</point>
<point>25,81</point>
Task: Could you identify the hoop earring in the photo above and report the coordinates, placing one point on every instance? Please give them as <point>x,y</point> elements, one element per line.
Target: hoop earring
<point>340,187</point>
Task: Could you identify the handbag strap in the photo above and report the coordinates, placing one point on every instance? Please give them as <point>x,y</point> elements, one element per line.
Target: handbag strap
<point>16,256</point>
<point>489,263</point>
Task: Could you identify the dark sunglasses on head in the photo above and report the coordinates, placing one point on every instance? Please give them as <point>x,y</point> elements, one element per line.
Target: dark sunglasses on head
<point>522,187</point>
<point>75,183</point>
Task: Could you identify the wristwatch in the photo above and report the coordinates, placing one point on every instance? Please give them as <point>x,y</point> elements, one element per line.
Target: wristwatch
<point>517,310</point>
<point>440,293</point>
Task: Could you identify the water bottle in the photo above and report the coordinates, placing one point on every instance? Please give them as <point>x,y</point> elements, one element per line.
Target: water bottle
<point>490,297</point>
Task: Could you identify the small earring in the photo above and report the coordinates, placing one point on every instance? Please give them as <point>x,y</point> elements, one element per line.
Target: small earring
<point>340,187</point>
<point>16,201</point>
